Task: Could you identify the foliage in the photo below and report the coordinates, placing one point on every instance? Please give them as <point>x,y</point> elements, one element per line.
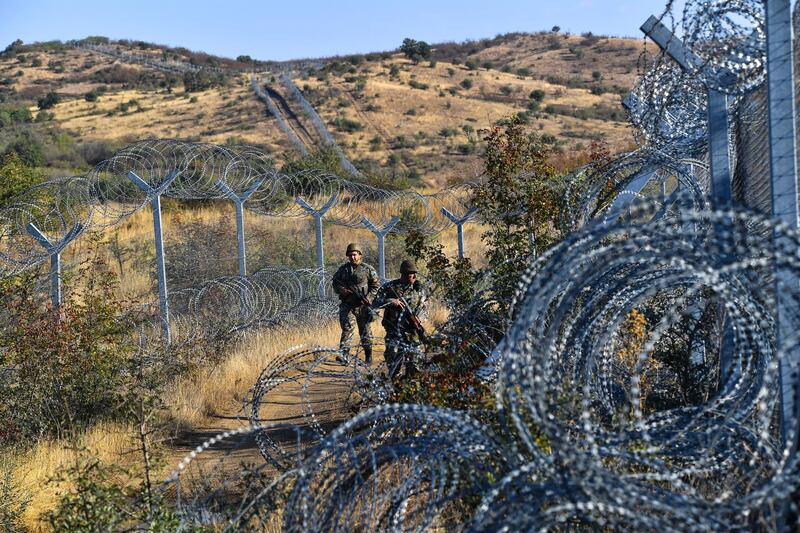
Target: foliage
<point>68,370</point>
<point>415,50</point>
<point>518,174</point>
<point>325,159</point>
<point>49,100</point>
<point>15,177</point>
<point>347,125</point>
<point>451,389</point>
<point>99,502</point>
<point>28,147</point>
<point>203,79</point>
<point>10,115</point>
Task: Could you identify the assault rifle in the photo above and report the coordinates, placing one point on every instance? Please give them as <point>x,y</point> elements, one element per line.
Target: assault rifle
<point>361,294</point>
<point>416,323</point>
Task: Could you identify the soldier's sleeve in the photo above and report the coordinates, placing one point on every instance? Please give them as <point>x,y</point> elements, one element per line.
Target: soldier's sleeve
<point>373,283</point>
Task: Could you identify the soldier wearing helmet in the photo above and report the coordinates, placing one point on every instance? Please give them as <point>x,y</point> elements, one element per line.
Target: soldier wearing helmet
<point>356,283</point>
<point>402,298</point>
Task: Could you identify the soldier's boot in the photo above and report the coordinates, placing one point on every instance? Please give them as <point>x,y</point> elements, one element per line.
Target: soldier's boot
<point>368,355</point>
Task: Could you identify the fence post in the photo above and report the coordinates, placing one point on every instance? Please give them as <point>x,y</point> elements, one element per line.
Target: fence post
<point>459,222</point>
<point>54,251</point>
<point>721,197</point>
<point>238,202</point>
<point>161,272</point>
<point>318,214</point>
<point>780,76</point>
<point>381,233</point>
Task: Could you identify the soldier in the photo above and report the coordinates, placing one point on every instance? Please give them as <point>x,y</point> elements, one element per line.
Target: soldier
<point>404,303</point>
<point>356,283</point>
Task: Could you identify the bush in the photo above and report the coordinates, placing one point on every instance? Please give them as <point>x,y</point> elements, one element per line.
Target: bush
<point>466,83</point>
<point>417,85</point>
<point>466,148</point>
<point>91,96</point>
<point>471,64</point>
<point>347,125</point>
<point>49,100</point>
<point>28,147</point>
<point>506,90</point>
<point>415,50</point>
<point>68,372</point>
<point>537,95</point>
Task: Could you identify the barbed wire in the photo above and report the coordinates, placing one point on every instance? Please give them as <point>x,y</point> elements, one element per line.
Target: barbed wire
<point>590,435</point>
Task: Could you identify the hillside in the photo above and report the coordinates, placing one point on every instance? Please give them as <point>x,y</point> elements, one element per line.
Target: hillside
<point>391,116</point>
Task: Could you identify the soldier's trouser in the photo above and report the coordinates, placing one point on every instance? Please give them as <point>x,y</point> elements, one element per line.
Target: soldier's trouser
<point>400,351</point>
<point>347,316</point>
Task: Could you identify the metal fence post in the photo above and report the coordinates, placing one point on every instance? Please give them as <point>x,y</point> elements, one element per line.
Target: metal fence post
<point>54,251</point>
<point>459,222</point>
<point>780,83</point>
<point>161,272</point>
<point>381,233</point>
<point>238,202</point>
<point>318,214</point>
<point>721,197</point>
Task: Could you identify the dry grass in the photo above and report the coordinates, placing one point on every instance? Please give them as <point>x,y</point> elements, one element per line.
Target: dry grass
<point>108,442</point>
<point>220,390</point>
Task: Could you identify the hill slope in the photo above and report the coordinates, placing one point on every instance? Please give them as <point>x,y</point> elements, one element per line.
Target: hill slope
<point>392,116</point>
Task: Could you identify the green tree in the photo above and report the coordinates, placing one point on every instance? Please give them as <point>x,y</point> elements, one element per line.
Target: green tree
<point>519,175</point>
<point>415,50</point>
<point>49,100</point>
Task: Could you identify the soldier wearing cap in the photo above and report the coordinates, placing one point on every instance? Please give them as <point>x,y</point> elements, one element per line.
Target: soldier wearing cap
<point>356,283</point>
<point>400,298</point>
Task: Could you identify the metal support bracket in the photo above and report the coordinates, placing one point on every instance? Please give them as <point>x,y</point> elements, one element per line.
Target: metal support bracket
<point>459,222</point>
<point>381,233</point>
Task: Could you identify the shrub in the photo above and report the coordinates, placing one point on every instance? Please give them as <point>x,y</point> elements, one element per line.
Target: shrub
<point>466,148</point>
<point>68,372</point>
<point>415,50</point>
<point>347,125</point>
<point>537,95</point>
<point>36,62</point>
<point>49,100</point>
<point>466,83</point>
<point>418,85</point>
<point>394,71</point>
<point>91,96</point>
<point>471,64</point>
<point>506,90</point>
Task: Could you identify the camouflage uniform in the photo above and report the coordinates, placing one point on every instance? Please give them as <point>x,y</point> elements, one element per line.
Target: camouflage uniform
<point>402,340</point>
<point>364,279</point>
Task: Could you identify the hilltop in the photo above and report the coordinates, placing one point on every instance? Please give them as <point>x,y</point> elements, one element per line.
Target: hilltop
<point>394,117</point>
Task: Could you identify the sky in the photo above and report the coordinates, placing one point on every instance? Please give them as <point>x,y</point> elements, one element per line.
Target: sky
<point>272,30</point>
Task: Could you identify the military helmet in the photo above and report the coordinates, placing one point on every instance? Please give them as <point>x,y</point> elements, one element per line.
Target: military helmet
<point>407,266</point>
<point>353,247</point>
